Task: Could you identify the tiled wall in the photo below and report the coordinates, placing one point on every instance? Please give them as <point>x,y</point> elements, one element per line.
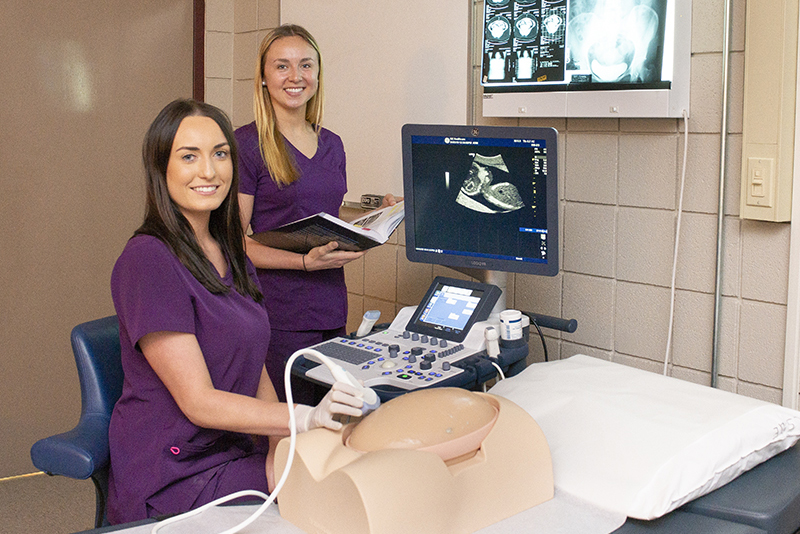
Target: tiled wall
<point>234,29</point>
<point>619,187</point>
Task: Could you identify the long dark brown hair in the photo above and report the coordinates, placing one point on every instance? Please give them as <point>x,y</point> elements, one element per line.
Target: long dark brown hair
<point>164,220</point>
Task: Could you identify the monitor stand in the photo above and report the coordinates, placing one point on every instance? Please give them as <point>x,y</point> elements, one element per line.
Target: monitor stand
<point>497,278</point>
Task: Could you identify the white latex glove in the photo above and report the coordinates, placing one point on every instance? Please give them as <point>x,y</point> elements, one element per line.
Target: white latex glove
<point>341,399</point>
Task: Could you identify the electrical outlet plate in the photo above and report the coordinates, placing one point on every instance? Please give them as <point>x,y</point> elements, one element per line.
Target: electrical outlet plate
<point>760,182</point>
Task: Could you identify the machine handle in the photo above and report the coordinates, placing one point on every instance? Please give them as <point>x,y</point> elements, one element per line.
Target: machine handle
<point>555,323</point>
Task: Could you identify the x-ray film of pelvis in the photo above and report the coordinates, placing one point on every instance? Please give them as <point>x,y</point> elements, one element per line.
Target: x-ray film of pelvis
<point>478,193</point>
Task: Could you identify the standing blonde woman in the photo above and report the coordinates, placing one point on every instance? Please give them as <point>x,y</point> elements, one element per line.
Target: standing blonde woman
<point>291,167</point>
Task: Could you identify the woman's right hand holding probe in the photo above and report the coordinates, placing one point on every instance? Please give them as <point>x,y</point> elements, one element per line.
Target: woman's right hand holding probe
<point>341,399</point>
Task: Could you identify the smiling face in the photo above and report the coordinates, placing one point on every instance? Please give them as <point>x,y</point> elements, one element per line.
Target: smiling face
<point>291,71</point>
<point>200,169</point>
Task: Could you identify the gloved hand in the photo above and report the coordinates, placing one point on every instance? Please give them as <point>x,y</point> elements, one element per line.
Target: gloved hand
<point>341,399</point>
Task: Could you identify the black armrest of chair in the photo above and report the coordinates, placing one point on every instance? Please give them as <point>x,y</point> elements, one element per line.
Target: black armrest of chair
<point>78,453</point>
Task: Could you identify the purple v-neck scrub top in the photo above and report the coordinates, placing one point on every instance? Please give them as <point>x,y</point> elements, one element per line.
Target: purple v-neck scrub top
<point>297,300</point>
<point>160,461</point>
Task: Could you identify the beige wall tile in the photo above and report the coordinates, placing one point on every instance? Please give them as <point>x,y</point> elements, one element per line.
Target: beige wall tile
<point>761,343</point>
<point>765,261</point>
<point>592,125</point>
<point>497,121</point>
<point>731,241</point>
<point>242,102</point>
<point>413,279</point>
<point>728,341</point>
<point>737,25</point>
<point>639,363</point>
<point>219,51</point>
<point>245,15</point>
<point>640,324</point>
<point>510,291</point>
<point>538,294</point>
<point>536,350</point>
<point>645,245</point>
<point>707,26</point>
<point>218,93</point>
<point>648,125</point>
<point>648,170</point>
<point>441,270</point>
<point>354,276</point>
<point>736,93</point>
<point>562,206</point>
<point>692,337</point>
<point>387,309</point>
<point>571,349</point>
<point>760,392</point>
<point>544,122</point>
<point>589,244</point>
<point>701,190</point>
<point>591,168</point>
<point>705,100</point>
<point>726,384</point>
<point>380,273</point>
<point>401,237</point>
<point>245,55</point>
<point>589,300</point>
<point>692,375</point>
<point>355,311</point>
<point>562,165</point>
<point>697,254</point>
<point>733,176</point>
<point>219,15</point>
<point>268,14</point>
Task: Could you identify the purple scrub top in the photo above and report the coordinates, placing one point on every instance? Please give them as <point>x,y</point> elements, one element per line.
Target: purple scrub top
<point>160,461</point>
<point>297,300</point>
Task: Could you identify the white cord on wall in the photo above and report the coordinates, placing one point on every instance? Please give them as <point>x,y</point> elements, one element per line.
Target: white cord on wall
<point>677,243</point>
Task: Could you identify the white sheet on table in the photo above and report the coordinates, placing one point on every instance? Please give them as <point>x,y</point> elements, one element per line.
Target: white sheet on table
<point>564,514</point>
<point>640,443</point>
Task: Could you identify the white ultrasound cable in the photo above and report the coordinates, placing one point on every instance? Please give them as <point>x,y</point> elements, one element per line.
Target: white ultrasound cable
<point>499,370</point>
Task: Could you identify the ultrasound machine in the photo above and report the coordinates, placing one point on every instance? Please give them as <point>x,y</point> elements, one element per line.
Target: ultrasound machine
<point>482,200</point>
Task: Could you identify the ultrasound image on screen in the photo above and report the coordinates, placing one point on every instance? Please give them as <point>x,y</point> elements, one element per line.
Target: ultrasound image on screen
<point>482,199</point>
<point>484,190</point>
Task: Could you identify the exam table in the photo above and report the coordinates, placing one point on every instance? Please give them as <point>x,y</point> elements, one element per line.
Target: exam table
<point>765,500</point>
<point>737,456</point>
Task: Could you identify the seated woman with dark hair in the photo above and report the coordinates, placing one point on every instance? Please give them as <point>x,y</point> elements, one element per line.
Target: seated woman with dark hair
<point>194,334</point>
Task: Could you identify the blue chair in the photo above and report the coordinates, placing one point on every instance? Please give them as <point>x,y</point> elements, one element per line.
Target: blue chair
<point>82,452</point>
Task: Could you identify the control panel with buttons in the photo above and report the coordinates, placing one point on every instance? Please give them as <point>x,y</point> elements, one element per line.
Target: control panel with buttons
<point>440,342</point>
<point>404,359</point>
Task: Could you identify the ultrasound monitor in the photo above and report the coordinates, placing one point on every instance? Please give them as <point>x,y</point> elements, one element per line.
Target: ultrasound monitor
<point>482,198</point>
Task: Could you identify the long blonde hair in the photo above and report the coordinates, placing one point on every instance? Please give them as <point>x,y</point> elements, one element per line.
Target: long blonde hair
<point>279,161</point>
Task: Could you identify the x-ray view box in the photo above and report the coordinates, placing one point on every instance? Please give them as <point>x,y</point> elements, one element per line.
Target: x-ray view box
<point>393,473</point>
